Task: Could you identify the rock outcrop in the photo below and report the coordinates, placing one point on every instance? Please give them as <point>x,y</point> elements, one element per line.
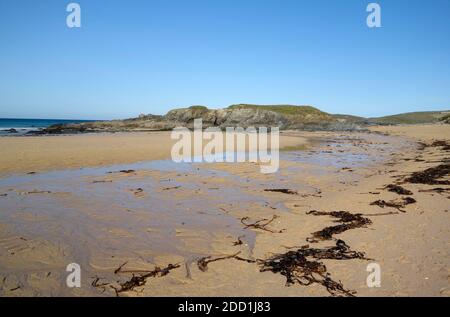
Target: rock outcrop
<point>228,117</point>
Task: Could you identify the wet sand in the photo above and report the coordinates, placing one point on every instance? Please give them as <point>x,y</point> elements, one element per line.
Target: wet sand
<point>161,213</point>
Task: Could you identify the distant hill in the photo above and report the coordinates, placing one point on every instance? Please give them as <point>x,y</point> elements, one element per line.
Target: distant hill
<point>402,118</point>
<point>411,118</point>
<point>349,118</point>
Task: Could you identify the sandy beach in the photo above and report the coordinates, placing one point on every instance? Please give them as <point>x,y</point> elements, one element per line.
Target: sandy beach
<point>119,207</point>
<point>45,153</point>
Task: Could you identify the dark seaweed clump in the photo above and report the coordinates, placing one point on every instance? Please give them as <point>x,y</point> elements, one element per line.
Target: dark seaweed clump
<point>440,143</point>
<point>398,189</point>
<point>302,266</point>
<point>397,204</point>
<point>348,221</point>
<point>282,190</point>
<point>444,144</point>
<point>431,176</point>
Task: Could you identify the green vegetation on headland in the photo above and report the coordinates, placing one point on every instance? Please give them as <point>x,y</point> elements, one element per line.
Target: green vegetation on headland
<point>198,108</point>
<point>412,118</point>
<point>283,109</point>
<point>249,115</point>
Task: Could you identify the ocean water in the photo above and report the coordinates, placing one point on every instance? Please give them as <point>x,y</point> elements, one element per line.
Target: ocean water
<point>23,126</point>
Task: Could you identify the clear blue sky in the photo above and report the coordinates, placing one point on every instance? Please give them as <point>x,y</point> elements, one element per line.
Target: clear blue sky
<point>149,56</point>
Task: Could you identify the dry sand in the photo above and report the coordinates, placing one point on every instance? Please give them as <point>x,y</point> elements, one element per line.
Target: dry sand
<point>45,153</point>
<point>156,217</point>
<point>423,132</point>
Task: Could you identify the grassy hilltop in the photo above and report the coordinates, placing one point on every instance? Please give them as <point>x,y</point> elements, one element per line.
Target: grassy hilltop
<point>412,118</point>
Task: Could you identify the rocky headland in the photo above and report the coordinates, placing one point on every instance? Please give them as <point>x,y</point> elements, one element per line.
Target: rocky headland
<point>286,117</point>
<point>282,116</point>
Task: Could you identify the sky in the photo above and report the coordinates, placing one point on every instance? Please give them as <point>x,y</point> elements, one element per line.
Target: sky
<point>149,56</point>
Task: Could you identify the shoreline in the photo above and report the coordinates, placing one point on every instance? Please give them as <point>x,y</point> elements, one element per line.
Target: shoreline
<point>57,152</point>
<point>41,153</point>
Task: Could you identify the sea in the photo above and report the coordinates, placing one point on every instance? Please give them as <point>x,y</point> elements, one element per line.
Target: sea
<point>14,127</point>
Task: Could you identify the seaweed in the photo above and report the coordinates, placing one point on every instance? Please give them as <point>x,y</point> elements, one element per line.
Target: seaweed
<point>135,281</point>
<point>36,192</point>
<point>261,224</point>
<point>430,176</point>
<point>140,280</point>
<point>202,263</point>
<point>433,175</point>
<point>170,188</point>
<point>120,268</point>
<point>316,194</point>
<point>95,283</point>
<point>444,144</point>
<point>303,266</point>
<point>282,190</point>
<point>398,189</point>
<point>127,171</point>
<point>123,171</point>
<point>438,190</point>
<point>440,143</point>
<point>138,192</point>
<point>238,241</point>
<point>394,203</point>
<point>348,221</point>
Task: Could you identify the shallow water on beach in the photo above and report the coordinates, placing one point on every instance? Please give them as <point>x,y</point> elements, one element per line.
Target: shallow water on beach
<point>85,203</point>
